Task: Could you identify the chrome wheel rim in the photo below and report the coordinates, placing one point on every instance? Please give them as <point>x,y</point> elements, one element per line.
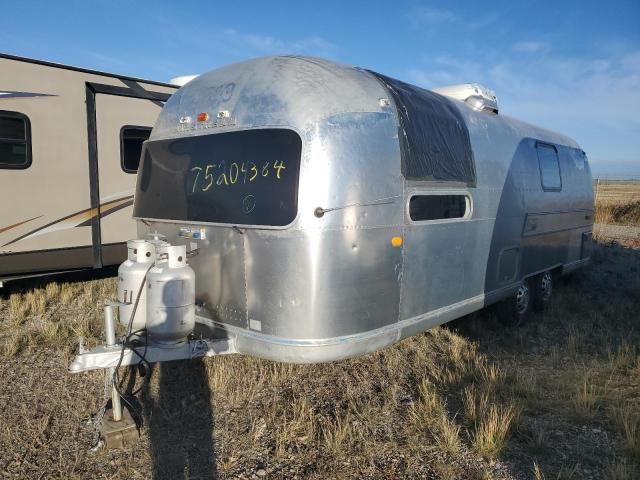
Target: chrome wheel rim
<point>522,299</point>
<point>546,285</point>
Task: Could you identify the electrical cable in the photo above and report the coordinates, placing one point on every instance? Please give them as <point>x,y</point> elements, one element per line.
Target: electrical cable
<point>127,342</point>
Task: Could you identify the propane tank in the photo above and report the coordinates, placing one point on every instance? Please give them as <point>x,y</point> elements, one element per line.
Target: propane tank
<point>171,296</point>
<point>131,273</point>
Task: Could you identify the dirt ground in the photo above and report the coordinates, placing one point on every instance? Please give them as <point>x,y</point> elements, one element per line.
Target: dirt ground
<point>555,398</point>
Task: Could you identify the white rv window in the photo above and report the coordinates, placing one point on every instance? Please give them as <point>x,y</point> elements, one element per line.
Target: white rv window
<point>437,207</point>
<point>549,167</point>
<point>131,140</point>
<point>15,140</point>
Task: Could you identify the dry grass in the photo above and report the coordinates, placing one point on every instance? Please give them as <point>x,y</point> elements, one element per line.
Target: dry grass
<point>614,192</point>
<point>624,357</point>
<point>471,400</point>
<point>586,401</point>
<point>624,213</point>
<point>54,314</point>
<point>429,414</point>
<point>537,472</point>
<point>294,428</point>
<point>568,472</point>
<point>11,345</point>
<point>492,431</point>
<point>375,405</point>
<point>626,417</point>
<point>537,438</point>
<point>621,470</point>
<point>337,434</point>
<point>18,309</point>
<point>476,405</point>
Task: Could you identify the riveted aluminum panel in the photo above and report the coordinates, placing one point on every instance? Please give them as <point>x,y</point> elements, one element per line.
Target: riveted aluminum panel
<point>271,91</point>
<point>323,284</point>
<point>221,289</point>
<point>444,263</point>
<point>542,223</point>
<point>351,166</point>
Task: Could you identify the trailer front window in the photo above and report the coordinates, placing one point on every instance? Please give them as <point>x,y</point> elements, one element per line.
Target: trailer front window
<point>434,138</point>
<point>248,177</point>
<point>15,140</point>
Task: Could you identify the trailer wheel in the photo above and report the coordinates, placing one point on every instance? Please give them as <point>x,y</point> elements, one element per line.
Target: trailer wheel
<point>517,309</point>
<point>543,290</point>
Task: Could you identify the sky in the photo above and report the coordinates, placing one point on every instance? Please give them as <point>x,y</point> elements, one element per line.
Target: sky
<point>571,66</point>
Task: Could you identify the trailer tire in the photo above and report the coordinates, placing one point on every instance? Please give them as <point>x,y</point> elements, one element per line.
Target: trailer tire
<point>516,309</point>
<point>543,290</point>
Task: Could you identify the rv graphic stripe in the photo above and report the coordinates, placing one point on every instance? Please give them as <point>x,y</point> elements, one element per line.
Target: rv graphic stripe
<point>82,218</point>
<point>9,227</point>
<point>24,94</point>
<point>109,208</point>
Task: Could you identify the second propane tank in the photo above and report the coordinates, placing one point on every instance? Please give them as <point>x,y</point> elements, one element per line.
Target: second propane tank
<point>171,296</point>
<point>131,282</point>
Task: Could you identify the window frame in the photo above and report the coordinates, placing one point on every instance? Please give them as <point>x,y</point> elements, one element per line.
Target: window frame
<point>424,193</point>
<point>122,130</point>
<point>27,141</point>
<point>555,149</point>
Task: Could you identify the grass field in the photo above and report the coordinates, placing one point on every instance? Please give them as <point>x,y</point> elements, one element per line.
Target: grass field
<point>617,202</point>
<point>556,398</point>
<point>616,191</point>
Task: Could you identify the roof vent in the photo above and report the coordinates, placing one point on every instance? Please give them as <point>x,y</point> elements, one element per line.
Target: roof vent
<point>476,96</point>
<point>182,81</point>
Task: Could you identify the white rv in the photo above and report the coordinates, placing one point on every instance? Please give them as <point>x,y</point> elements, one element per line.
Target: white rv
<point>70,142</point>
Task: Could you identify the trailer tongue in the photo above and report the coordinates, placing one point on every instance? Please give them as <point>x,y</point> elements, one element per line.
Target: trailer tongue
<point>156,304</point>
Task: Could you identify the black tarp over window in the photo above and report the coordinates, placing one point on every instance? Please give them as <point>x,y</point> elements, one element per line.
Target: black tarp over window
<point>433,135</point>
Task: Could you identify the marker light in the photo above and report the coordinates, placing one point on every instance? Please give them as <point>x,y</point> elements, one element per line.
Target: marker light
<point>396,241</point>
<point>185,119</point>
<point>203,117</point>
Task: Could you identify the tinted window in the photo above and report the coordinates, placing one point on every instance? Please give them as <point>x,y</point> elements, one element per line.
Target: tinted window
<point>241,178</point>
<point>433,135</point>
<point>549,167</point>
<point>131,139</point>
<point>15,140</point>
<point>437,207</point>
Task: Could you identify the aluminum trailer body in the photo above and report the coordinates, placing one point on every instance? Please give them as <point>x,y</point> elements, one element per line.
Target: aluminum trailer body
<point>324,224</point>
<point>70,141</point>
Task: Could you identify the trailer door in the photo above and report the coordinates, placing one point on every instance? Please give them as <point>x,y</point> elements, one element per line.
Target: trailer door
<point>122,124</point>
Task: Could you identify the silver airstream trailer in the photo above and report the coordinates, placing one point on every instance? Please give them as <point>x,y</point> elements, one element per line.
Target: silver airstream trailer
<point>329,211</point>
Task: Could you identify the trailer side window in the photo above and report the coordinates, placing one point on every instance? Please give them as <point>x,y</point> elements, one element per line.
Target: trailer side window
<point>434,137</point>
<point>437,207</point>
<point>131,139</point>
<point>549,167</point>
<point>15,140</point>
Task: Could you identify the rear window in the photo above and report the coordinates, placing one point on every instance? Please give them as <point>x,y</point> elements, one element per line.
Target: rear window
<point>240,178</point>
<point>15,140</point>
<point>437,207</point>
